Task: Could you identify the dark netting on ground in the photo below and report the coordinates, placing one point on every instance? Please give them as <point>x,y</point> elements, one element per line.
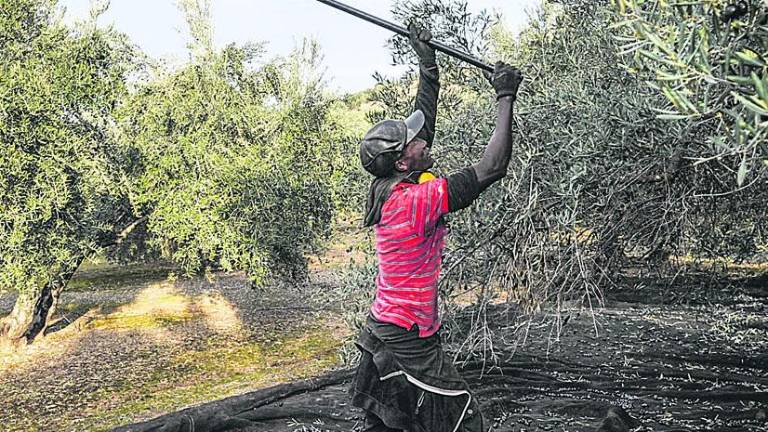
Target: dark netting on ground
<point>697,363</point>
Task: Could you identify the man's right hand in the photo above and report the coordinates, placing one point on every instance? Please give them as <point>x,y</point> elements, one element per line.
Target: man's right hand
<point>505,80</point>
<point>419,38</point>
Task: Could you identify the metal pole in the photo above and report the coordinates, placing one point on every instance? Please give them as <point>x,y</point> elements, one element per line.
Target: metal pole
<point>403,31</point>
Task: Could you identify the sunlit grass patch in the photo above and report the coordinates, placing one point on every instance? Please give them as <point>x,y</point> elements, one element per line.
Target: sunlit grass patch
<point>158,347</point>
<point>282,355</point>
<point>221,371</point>
<point>158,305</point>
<point>19,359</point>
<point>220,315</point>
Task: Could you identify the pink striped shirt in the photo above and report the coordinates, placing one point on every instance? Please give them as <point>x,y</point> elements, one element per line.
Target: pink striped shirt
<point>409,246</point>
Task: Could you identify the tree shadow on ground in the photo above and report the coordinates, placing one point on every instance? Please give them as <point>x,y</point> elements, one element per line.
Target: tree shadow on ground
<point>689,288</point>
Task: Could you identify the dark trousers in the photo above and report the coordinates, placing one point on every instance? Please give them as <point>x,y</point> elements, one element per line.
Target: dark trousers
<point>374,424</point>
<point>418,377</point>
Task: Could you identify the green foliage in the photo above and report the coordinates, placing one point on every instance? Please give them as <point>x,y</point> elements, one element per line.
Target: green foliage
<point>218,164</point>
<point>198,15</point>
<point>708,59</point>
<point>711,64</point>
<point>353,114</point>
<point>237,162</point>
<point>62,190</point>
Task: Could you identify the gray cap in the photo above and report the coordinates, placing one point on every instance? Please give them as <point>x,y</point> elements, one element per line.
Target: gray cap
<point>384,142</point>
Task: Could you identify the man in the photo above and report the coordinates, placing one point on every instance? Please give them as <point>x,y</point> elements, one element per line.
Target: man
<point>405,382</point>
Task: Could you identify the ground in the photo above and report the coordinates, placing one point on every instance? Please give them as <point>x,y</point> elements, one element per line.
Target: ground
<point>678,355</point>
<point>132,344</point>
<point>129,344</point>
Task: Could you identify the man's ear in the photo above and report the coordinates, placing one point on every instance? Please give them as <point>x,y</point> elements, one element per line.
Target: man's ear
<point>401,165</point>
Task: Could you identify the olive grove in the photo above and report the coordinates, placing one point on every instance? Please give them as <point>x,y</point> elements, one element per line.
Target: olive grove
<point>601,181</point>
<point>228,162</point>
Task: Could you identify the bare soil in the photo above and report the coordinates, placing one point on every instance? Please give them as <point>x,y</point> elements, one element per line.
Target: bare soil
<point>676,355</point>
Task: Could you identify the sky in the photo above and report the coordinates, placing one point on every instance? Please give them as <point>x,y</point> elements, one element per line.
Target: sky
<point>353,49</point>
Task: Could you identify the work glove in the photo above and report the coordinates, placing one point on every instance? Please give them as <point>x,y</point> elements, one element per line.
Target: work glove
<point>505,79</point>
<point>419,38</point>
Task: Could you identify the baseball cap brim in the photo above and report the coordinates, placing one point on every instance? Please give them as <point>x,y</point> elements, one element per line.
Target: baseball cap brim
<point>413,124</point>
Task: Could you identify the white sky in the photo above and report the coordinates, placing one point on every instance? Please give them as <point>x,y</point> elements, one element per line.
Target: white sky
<point>353,49</point>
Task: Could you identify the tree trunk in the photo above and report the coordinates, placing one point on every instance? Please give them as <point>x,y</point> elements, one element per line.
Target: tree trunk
<point>32,310</point>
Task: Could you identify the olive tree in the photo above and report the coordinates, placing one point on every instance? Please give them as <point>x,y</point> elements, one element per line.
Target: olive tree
<point>228,162</point>
<point>709,59</point>
<point>63,188</point>
<point>598,181</point>
<point>238,160</point>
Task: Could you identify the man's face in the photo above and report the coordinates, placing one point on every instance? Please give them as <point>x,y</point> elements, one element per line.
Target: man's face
<point>415,157</point>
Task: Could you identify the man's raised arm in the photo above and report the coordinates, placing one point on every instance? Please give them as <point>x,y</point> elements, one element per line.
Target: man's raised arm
<point>495,160</point>
<point>429,84</point>
<point>465,186</point>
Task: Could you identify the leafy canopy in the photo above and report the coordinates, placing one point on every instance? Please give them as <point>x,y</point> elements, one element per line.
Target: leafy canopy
<point>62,190</point>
